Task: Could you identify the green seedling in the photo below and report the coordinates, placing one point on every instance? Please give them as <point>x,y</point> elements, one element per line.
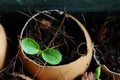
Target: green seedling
<point>50,55</point>
<point>98,72</point>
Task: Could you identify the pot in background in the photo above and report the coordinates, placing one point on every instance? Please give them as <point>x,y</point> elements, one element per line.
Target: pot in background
<point>107,71</point>
<point>107,39</point>
<point>3,46</point>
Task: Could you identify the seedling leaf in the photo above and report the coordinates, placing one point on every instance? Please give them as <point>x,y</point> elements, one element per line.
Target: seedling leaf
<point>98,72</point>
<point>30,46</point>
<point>51,56</point>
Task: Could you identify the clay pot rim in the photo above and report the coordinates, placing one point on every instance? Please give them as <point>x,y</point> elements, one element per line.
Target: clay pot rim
<point>109,72</point>
<point>105,67</point>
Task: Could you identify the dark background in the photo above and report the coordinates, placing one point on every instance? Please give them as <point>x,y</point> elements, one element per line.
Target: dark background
<point>69,5</point>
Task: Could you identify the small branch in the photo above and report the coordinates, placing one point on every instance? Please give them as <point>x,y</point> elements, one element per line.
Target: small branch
<point>79,47</point>
<point>57,31</point>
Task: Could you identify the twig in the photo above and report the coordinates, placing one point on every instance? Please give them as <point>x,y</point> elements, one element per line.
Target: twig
<point>114,77</point>
<point>57,31</point>
<point>84,19</point>
<point>14,63</point>
<point>27,15</point>
<point>33,17</point>
<point>94,55</point>
<point>79,47</point>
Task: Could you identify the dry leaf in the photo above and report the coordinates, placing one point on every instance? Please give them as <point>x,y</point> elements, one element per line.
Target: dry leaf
<point>88,76</point>
<point>45,24</point>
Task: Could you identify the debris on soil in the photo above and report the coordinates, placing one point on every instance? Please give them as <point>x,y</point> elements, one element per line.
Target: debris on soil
<point>13,71</point>
<point>88,76</point>
<point>10,76</point>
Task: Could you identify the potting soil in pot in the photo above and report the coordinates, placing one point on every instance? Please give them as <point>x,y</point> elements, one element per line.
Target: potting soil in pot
<point>53,31</point>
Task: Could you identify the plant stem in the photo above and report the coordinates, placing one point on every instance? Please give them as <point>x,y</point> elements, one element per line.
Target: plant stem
<point>39,52</point>
<point>57,31</point>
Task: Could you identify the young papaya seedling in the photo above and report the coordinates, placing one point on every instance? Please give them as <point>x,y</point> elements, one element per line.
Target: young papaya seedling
<point>50,55</point>
<point>98,72</point>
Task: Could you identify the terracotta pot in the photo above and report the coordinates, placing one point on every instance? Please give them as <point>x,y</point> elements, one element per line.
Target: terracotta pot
<point>3,46</point>
<point>61,72</point>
